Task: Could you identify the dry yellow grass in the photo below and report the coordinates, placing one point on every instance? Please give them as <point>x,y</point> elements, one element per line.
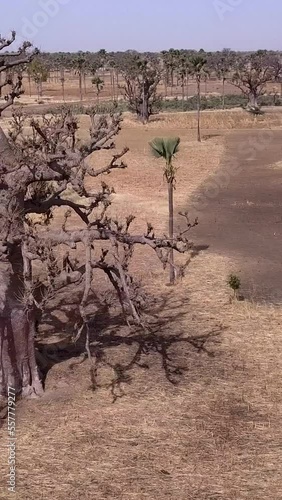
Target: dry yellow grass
<point>215,436</point>
<point>215,120</point>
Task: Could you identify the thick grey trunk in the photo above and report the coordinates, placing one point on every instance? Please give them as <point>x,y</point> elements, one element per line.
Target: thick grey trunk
<point>18,367</point>
<point>253,100</point>
<point>144,111</point>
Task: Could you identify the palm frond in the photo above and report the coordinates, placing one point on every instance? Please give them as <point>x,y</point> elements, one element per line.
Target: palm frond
<point>165,147</point>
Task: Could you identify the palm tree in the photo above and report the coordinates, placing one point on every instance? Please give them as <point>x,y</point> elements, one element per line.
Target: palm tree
<point>61,63</point>
<point>167,148</point>
<point>198,63</point>
<point>78,64</point>
<point>183,72</point>
<point>99,84</point>
<point>223,62</point>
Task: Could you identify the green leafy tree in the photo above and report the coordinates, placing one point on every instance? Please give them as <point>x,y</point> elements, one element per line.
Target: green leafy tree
<point>166,148</point>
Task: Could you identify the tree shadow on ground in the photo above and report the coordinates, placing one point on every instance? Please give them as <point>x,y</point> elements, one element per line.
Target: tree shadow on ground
<point>107,330</point>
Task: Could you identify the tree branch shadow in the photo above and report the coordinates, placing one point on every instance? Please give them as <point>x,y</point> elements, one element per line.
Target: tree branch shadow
<point>108,331</point>
<point>145,345</point>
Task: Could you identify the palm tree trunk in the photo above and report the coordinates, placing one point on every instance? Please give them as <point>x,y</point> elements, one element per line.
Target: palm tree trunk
<point>29,85</point>
<point>84,81</point>
<point>113,85</point>
<point>144,114</point>
<point>63,90</point>
<point>172,83</point>
<point>223,93</point>
<point>199,108</point>
<point>80,86</point>
<point>117,82</point>
<point>171,232</point>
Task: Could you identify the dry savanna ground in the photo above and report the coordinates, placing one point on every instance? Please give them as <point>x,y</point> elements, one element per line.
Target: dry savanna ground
<point>213,434</point>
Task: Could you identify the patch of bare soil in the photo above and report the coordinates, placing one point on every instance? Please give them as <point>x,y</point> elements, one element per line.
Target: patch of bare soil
<point>241,211</point>
<point>191,411</point>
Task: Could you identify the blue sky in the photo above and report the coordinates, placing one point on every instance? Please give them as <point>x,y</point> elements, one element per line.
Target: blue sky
<point>145,24</point>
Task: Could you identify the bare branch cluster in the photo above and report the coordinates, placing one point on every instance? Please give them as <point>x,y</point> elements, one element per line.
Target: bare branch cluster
<point>11,66</point>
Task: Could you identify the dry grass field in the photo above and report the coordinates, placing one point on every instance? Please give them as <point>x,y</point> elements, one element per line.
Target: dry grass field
<point>198,417</point>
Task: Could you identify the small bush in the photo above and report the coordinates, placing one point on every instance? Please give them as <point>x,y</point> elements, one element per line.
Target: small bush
<point>235,284</point>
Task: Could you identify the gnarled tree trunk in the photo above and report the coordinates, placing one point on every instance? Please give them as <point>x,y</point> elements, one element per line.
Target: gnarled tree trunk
<point>253,100</point>
<point>18,368</point>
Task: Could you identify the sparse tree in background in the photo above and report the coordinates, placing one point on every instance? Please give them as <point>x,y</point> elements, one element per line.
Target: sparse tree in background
<point>79,66</point>
<point>142,78</point>
<point>170,60</point>
<point>170,65</point>
<point>35,171</point>
<point>99,85</point>
<point>167,149</point>
<point>183,71</point>
<point>114,83</point>
<point>223,62</point>
<point>251,74</point>
<point>39,73</point>
<point>199,70</point>
<point>276,62</point>
<point>103,59</point>
<point>62,64</point>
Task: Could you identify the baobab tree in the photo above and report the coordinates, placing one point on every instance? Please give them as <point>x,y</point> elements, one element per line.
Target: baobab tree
<point>251,74</point>
<point>35,171</point>
<point>142,77</point>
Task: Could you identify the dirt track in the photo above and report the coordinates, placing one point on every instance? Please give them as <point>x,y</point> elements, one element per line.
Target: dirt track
<point>243,217</point>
